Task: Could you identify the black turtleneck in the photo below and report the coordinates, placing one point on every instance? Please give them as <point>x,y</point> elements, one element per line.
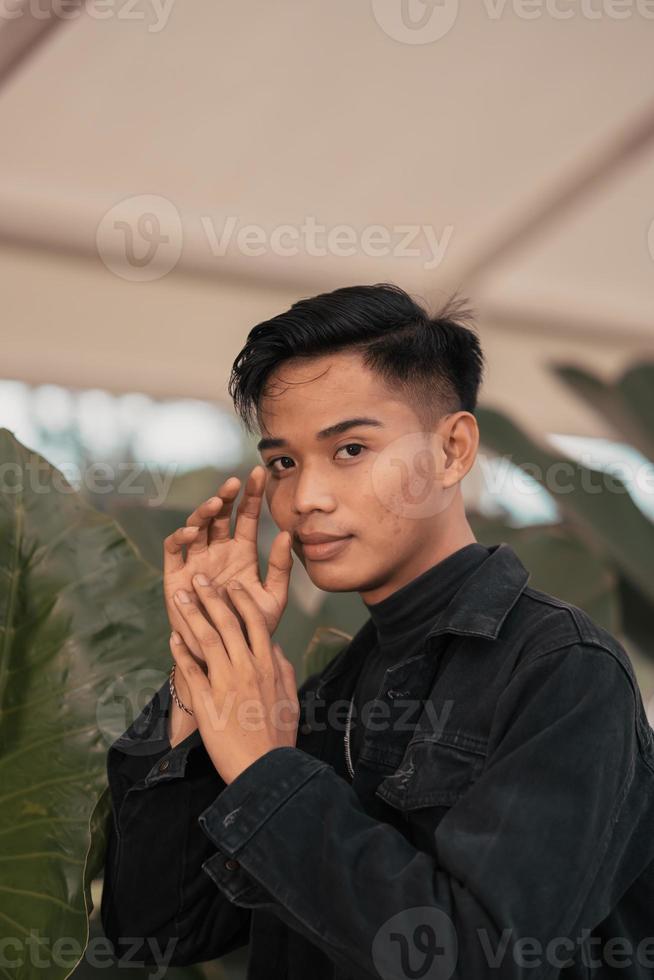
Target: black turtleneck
<point>402,620</point>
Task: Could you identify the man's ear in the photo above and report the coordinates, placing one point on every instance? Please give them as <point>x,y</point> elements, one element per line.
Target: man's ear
<point>460,441</point>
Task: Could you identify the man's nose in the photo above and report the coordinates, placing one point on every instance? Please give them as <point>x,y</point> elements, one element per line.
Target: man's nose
<point>312,492</point>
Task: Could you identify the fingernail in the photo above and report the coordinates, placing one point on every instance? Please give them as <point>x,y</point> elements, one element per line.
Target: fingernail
<point>182,596</point>
<point>175,637</point>
<point>234,584</point>
<point>201,579</point>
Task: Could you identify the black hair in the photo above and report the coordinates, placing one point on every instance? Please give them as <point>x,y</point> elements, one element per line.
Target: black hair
<point>434,359</point>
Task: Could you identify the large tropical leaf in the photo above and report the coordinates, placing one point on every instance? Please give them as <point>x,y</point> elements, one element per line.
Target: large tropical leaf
<point>79,610</point>
<point>626,404</point>
<point>605,518</point>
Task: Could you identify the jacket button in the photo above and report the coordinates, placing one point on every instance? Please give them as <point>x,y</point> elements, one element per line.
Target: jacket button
<point>305,728</point>
<point>163,765</point>
<point>232,864</point>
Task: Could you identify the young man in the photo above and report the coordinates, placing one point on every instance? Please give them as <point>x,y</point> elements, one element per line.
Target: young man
<point>467,789</point>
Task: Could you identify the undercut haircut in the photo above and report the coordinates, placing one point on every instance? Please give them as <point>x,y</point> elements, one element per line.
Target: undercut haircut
<point>433,361</point>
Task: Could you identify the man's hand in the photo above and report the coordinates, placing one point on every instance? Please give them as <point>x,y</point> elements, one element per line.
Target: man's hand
<point>213,551</point>
<point>246,704</point>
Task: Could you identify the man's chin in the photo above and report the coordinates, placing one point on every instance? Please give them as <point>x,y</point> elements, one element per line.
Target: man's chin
<point>330,578</point>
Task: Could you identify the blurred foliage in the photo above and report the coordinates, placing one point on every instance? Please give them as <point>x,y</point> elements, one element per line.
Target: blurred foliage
<point>83,630</point>
<point>611,539</point>
<point>626,405</point>
<point>77,608</point>
<point>82,603</point>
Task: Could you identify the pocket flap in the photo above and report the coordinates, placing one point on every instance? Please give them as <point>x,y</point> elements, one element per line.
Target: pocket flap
<point>432,773</point>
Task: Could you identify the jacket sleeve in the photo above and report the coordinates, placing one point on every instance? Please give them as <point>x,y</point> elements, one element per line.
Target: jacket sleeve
<point>531,854</point>
<point>157,906</point>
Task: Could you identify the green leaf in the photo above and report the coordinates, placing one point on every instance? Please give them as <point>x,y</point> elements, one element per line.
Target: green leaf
<point>81,617</point>
<point>325,643</point>
<point>607,520</point>
<point>627,405</point>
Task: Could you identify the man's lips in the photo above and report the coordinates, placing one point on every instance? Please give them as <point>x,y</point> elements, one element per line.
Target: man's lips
<point>317,537</point>
<point>325,549</point>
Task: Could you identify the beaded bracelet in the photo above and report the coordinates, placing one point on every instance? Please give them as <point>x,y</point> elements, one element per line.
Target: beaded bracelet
<point>173,692</point>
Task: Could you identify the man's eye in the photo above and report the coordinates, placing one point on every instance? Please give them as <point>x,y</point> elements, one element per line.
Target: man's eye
<point>271,463</point>
<point>278,459</point>
<point>350,445</point>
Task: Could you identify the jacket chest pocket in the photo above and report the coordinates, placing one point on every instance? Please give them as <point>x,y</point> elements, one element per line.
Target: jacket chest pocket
<point>433,772</point>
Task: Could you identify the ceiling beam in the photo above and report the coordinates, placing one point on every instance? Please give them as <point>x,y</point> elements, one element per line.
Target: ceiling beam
<point>23,29</point>
<point>593,167</point>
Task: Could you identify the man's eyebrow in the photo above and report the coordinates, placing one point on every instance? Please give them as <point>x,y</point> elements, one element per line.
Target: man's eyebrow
<point>331,430</point>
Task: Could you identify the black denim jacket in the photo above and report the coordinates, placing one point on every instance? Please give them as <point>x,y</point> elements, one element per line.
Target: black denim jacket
<point>500,822</point>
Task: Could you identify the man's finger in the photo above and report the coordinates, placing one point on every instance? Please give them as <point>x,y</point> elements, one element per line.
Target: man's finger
<point>249,509</point>
<point>202,517</point>
<point>286,671</point>
<point>220,526</point>
<point>193,674</point>
<point>286,667</point>
<point>226,622</point>
<point>288,680</point>
<point>204,632</point>
<point>173,558</point>
<point>280,563</point>
<point>255,623</point>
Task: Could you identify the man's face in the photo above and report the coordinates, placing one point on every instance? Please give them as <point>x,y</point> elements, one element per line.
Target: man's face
<point>384,487</point>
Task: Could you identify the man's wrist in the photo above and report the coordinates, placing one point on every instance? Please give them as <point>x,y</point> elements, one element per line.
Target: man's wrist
<point>180,723</point>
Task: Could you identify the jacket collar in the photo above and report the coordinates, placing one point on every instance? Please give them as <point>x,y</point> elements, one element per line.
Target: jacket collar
<point>478,608</point>
<point>482,604</point>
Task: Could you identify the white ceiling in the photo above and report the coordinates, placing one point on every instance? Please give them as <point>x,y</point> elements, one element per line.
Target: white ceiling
<point>525,145</point>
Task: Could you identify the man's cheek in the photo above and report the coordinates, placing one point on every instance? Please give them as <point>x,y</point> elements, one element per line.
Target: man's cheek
<point>407,477</point>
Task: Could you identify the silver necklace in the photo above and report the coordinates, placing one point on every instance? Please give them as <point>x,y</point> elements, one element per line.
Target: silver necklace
<point>346,740</point>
